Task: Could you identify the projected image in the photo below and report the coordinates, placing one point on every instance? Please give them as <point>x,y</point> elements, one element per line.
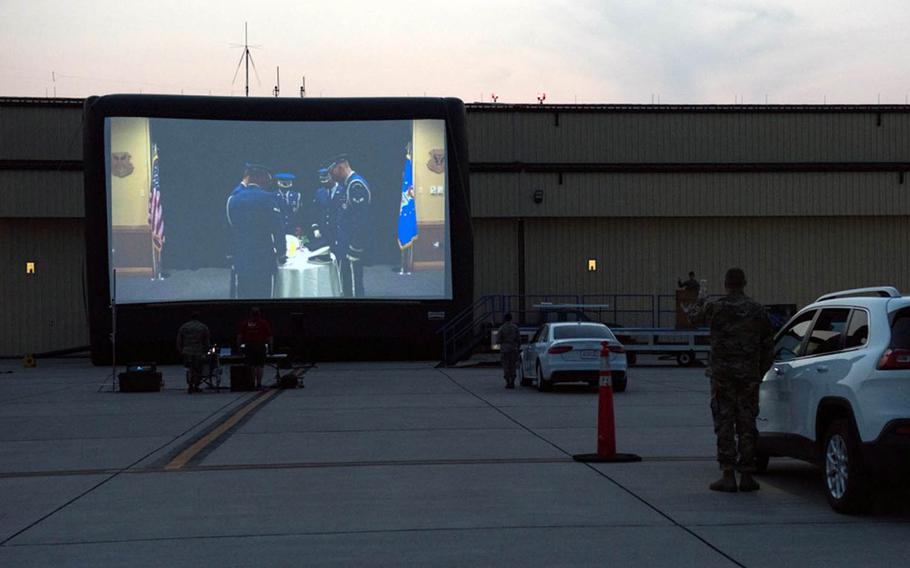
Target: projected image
<point>220,210</point>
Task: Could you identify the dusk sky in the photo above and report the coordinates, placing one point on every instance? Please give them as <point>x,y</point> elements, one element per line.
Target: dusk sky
<point>608,51</point>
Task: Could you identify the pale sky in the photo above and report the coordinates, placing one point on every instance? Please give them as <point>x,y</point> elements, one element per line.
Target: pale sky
<point>586,51</point>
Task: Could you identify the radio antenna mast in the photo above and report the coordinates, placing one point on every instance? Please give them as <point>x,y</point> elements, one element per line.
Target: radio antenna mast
<point>246,59</point>
<point>277,88</point>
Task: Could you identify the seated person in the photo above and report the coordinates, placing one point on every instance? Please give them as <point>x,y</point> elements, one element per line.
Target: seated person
<point>254,336</point>
<point>193,342</point>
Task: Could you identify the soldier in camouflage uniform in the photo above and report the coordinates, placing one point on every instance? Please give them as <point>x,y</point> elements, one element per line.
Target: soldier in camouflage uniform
<point>742,348</point>
<point>509,346</point>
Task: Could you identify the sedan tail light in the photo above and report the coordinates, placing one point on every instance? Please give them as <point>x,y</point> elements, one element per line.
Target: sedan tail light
<point>557,349</point>
<point>894,359</point>
<point>617,348</point>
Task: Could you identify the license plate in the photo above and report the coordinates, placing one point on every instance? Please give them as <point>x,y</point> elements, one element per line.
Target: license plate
<point>589,354</point>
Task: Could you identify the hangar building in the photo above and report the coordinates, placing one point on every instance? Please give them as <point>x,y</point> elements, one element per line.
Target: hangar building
<point>806,199</point>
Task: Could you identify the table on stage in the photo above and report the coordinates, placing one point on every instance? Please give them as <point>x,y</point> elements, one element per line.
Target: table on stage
<point>273,360</point>
<point>301,278</point>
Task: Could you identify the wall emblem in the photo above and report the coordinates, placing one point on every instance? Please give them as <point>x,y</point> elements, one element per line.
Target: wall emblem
<point>120,164</point>
<point>437,163</point>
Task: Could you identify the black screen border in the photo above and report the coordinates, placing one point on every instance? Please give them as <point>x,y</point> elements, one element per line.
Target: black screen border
<point>147,328</point>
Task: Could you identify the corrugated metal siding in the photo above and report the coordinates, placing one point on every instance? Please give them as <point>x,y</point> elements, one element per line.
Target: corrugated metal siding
<point>37,193</point>
<point>787,260</point>
<point>45,311</point>
<point>643,137</point>
<point>495,256</point>
<point>690,194</point>
<point>40,133</point>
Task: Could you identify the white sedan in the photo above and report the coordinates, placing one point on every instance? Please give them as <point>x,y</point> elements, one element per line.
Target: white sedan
<point>567,352</point>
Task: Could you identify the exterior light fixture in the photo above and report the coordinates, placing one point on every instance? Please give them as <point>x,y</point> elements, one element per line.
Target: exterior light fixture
<point>29,268</point>
<point>592,265</point>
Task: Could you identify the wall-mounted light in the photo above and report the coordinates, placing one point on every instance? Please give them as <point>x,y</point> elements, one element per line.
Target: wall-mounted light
<point>538,196</point>
<point>592,265</point>
<point>29,267</point>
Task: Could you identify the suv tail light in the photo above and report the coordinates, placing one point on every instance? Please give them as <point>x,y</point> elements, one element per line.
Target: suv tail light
<point>894,359</point>
<point>556,350</point>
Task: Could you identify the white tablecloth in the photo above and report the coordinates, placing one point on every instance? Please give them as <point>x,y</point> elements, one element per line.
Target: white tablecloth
<point>298,278</point>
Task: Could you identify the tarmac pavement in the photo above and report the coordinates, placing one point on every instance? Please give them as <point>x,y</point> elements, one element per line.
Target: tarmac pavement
<point>385,464</point>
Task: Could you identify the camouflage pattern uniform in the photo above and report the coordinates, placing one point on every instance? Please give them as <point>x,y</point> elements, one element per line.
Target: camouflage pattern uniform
<point>509,343</point>
<point>742,346</point>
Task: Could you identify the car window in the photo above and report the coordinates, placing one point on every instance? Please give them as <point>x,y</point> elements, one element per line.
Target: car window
<point>828,332</point>
<point>581,332</point>
<point>858,330</point>
<point>536,335</point>
<point>542,335</point>
<point>900,330</point>
<point>789,342</point>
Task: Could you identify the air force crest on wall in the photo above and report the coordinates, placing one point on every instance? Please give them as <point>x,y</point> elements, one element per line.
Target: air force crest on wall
<point>120,164</point>
<point>437,163</point>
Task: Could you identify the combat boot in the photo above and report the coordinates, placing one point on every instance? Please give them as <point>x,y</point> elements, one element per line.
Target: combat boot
<point>727,483</point>
<point>747,483</point>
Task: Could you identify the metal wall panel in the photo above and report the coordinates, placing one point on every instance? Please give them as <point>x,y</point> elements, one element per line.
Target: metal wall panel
<point>44,311</point>
<point>689,137</point>
<point>40,133</point>
<point>768,194</point>
<point>41,193</point>
<point>495,256</point>
<point>786,259</point>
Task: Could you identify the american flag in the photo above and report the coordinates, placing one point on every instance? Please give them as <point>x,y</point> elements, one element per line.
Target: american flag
<point>156,215</point>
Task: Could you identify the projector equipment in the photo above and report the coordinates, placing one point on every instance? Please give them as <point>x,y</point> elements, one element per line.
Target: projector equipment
<point>141,377</point>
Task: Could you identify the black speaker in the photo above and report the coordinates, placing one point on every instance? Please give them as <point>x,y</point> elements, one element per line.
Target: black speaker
<point>241,378</point>
<point>140,378</point>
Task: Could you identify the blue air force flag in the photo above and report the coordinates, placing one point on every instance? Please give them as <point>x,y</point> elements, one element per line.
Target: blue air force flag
<point>407,213</point>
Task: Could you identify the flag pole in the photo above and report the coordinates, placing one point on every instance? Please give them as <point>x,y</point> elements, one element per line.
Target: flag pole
<point>114,331</point>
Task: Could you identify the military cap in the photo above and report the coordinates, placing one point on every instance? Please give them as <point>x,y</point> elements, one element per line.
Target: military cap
<point>334,161</point>
<point>324,175</point>
<point>253,167</point>
<point>284,176</point>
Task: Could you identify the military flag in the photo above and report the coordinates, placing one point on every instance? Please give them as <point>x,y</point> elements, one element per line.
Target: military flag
<point>407,212</point>
<point>156,215</point>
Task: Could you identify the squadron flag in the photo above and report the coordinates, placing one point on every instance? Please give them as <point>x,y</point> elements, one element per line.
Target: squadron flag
<point>407,212</point>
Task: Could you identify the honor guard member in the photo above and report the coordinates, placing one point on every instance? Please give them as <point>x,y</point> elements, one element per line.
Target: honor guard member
<point>257,233</point>
<point>353,225</point>
<point>325,203</point>
<point>289,201</point>
<point>742,346</point>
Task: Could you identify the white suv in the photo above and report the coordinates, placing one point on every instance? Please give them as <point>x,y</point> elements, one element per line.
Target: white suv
<point>838,393</point>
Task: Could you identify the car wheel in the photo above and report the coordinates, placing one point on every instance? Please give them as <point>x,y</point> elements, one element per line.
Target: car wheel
<point>542,385</point>
<point>619,385</point>
<point>685,359</point>
<point>844,482</point>
<point>522,379</point>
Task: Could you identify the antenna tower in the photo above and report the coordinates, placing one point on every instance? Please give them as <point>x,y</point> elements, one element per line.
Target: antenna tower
<point>246,59</point>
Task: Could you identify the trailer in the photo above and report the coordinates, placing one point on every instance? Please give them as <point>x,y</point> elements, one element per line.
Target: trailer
<point>686,346</point>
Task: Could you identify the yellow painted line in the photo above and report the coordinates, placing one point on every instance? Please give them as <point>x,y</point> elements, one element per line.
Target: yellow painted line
<point>188,454</point>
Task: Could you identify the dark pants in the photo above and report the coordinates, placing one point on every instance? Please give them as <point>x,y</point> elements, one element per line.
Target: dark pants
<point>734,404</point>
<point>351,277</point>
<point>509,361</point>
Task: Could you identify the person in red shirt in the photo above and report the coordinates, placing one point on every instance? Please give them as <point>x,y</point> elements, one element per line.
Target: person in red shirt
<point>255,334</point>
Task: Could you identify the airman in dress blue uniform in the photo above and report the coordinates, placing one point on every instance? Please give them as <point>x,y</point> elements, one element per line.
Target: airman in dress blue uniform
<point>353,224</point>
<point>257,233</point>
<point>289,201</point>
<point>321,234</point>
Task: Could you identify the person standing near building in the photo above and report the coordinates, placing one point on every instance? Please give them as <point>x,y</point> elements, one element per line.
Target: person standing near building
<point>193,342</point>
<point>509,345</point>
<point>353,228</point>
<point>742,347</point>
<point>255,335</point>
<point>690,284</point>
